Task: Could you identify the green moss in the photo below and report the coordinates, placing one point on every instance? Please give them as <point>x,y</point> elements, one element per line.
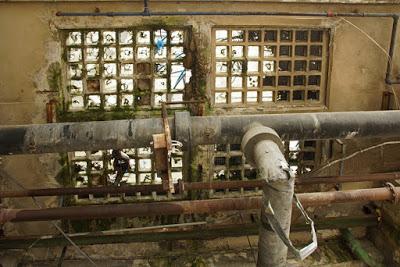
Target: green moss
<point>94,115</point>
<point>199,262</point>
<point>63,177</point>
<point>81,225</point>
<point>104,224</point>
<point>54,76</point>
<point>114,114</point>
<point>159,262</point>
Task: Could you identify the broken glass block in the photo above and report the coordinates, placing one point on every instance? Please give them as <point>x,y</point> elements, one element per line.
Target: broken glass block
<point>127,85</point>
<point>237,51</point>
<point>220,98</point>
<point>221,51</point>
<point>94,101</point>
<point>126,37</point>
<point>110,86</point>
<point>92,54</point>
<point>109,37</point>
<point>143,37</point>
<point>126,53</point>
<point>237,36</point>
<point>74,38</point>
<point>143,53</point>
<point>177,37</point>
<point>76,102</point>
<point>252,81</point>
<point>110,53</point>
<point>177,52</point>
<point>74,54</point>
<point>92,38</point>
<point>126,69</point>
<point>221,35</point>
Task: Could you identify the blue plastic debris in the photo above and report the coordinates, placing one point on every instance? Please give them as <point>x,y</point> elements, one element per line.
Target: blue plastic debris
<point>159,45</point>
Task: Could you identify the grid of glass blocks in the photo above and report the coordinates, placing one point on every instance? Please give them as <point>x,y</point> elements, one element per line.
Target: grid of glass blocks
<point>125,67</point>
<point>269,66</point>
<point>96,168</point>
<point>301,155</point>
<point>229,163</point>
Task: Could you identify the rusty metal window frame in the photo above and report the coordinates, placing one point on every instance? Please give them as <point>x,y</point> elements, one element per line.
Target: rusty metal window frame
<point>302,83</point>
<point>133,82</point>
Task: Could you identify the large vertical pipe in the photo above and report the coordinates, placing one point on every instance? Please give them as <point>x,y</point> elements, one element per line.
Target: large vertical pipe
<point>263,149</point>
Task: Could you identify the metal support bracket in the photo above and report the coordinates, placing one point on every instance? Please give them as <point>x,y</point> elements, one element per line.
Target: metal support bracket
<point>162,144</point>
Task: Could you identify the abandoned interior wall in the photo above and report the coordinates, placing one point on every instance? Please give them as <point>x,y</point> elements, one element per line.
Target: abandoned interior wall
<point>31,53</point>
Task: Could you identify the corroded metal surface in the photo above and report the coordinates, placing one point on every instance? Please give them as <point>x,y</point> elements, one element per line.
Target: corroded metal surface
<point>187,186</point>
<point>188,207</point>
<point>118,134</point>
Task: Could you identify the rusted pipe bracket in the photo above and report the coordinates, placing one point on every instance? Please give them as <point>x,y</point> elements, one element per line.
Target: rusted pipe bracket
<point>162,144</point>
<point>396,196</point>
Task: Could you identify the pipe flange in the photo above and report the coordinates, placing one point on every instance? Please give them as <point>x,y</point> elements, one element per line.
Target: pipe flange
<point>396,197</point>
<point>255,134</point>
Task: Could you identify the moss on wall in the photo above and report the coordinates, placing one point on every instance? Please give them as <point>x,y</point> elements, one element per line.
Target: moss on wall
<point>63,177</point>
<point>54,76</point>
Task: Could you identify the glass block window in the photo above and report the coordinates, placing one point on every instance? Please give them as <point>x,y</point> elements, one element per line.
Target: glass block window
<point>125,68</point>
<point>228,163</point>
<point>95,168</point>
<point>269,66</point>
<point>302,155</point>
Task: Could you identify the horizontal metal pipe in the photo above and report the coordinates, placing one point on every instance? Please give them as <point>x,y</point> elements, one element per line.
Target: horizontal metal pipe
<point>374,177</point>
<point>130,210</point>
<point>81,191</point>
<point>327,125</point>
<point>217,231</point>
<point>186,186</point>
<point>187,207</point>
<point>358,195</point>
<point>96,135</point>
<point>219,13</point>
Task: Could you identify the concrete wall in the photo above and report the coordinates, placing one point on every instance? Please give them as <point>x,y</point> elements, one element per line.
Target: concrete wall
<point>30,43</point>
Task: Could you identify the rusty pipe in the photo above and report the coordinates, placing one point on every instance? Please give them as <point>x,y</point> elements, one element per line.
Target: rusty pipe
<point>129,210</point>
<point>187,207</point>
<point>186,186</point>
<point>358,195</point>
<point>373,177</point>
